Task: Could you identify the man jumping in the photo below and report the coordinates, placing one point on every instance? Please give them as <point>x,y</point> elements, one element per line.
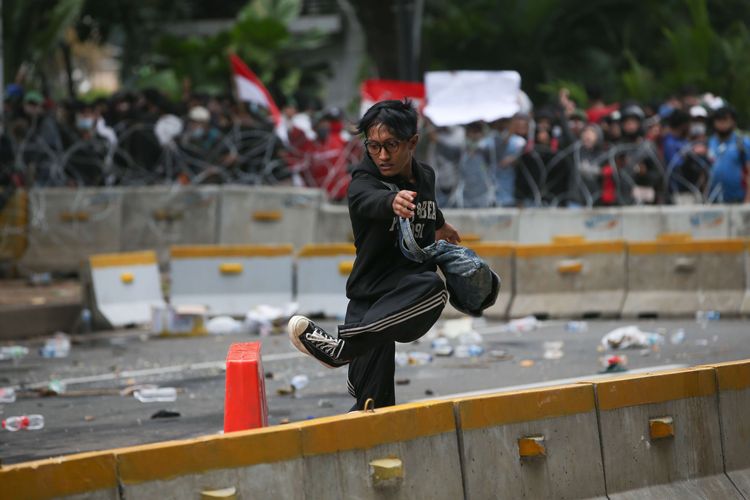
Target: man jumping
<point>391,298</point>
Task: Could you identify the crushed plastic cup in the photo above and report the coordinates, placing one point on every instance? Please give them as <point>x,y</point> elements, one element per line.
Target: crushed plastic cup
<point>13,352</point>
<point>470,337</point>
<point>523,325</point>
<point>678,337</point>
<point>413,358</point>
<point>704,317</point>
<point>7,395</point>
<point>56,347</point>
<point>444,350</point>
<point>553,349</point>
<point>156,395</point>
<point>299,382</point>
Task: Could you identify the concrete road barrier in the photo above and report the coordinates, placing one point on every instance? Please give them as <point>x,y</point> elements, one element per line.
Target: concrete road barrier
<point>257,464</point>
<point>269,215</point>
<point>541,225</point>
<point>322,271</point>
<point>661,438</point>
<point>733,380</point>
<point>157,217</point>
<point>672,278</point>
<point>92,476</point>
<point>500,258</point>
<point>14,219</point>
<point>531,444</point>
<point>125,287</point>
<point>334,224</point>
<point>403,452</point>
<point>485,224</point>
<point>231,279</point>
<point>585,279</point>
<point>739,221</point>
<point>66,225</point>
<point>701,222</point>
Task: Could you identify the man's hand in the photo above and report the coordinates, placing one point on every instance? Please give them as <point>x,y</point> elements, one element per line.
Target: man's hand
<point>448,233</point>
<point>403,205</point>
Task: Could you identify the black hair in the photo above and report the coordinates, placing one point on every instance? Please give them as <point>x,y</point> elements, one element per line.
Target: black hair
<point>723,112</point>
<point>399,117</point>
<point>678,118</point>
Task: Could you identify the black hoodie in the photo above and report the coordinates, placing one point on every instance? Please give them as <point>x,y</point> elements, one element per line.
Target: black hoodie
<point>379,264</point>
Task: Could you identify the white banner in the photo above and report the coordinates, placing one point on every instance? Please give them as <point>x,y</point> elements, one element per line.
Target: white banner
<point>461,97</point>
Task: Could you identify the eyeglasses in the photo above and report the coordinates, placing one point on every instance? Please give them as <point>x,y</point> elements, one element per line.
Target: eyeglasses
<point>391,146</point>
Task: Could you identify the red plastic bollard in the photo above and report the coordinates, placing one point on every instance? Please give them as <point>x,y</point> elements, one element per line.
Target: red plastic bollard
<point>245,399</point>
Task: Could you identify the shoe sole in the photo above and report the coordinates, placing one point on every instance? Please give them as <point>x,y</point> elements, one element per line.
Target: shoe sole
<point>294,339</point>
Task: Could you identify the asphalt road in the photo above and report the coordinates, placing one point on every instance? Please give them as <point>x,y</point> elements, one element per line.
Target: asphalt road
<point>92,415</point>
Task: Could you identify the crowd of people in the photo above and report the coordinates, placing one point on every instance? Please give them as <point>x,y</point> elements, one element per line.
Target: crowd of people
<point>686,149</point>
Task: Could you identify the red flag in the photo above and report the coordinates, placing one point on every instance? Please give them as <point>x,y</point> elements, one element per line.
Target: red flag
<point>251,89</point>
<point>373,91</point>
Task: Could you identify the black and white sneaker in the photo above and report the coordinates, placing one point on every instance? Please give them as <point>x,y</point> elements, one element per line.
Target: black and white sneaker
<point>310,339</point>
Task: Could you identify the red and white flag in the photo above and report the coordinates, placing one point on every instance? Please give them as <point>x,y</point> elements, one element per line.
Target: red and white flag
<point>251,89</point>
<point>373,91</point>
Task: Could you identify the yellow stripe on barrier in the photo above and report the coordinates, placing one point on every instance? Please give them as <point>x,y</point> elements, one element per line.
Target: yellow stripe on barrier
<point>58,477</point>
<point>655,388</point>
<point>327,250</point>
<point>161,461</point>
<point>513,407</point>
<point>672,247</point>
<point>230,268</point>
<point>363,430</point>
<point>471,238</point>
<point>492,249</point>
<point>594,247</point>
<point>732,375</point>
<point>675,237</point>
<point>568,239</point>
<point>345,268</point>
<point>122,259</point>
<point>267,215</point>
<point>201,251</point>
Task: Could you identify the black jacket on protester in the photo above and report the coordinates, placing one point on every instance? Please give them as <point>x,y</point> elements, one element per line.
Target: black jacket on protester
<point>379,264</point>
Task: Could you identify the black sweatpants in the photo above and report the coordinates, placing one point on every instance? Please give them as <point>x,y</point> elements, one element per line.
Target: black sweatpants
<point>372,327</point>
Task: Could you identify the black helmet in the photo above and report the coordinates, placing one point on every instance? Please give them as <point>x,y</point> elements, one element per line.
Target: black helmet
<point>633,111</point>
<point>724,111</point>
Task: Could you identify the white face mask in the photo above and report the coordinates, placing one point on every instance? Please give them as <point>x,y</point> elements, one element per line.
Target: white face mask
<point>697,129</point>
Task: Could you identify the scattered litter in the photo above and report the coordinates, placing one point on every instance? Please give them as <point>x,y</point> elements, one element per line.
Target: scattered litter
<point>56,386</point>
<point>678,337</point>
<point>224,325</point>
<point>89,418</point>
<point>284,420</point>
<point>403,381</point>
<point>179,320</point>
<point>7,395</point>
<point>24,422</point>
<point>704,317</point>
<point>523,325</point>
<point>500,355</point>
<point>299,382</point>
<point>630,336</point>
<point>645,352</point>
<point>262,319</point>
<point>13,352</point>
<point>325,403</point>
<point>159,394</point>
<point>129,390</point>
<point>469,351</point>
<point>576,326</point>
<point>285,391</point>
<point>441,346</point>
<point>40,279</point>
<point>56,347</point>
<point>701,342</point>
<point>165,414</point>
<point>454,328</point>
<point>553,349</point>
<point>269,375</point>
<point>527,363</point>
<point>614,364</point>
<point>414,358</point>
<point>429,392</point>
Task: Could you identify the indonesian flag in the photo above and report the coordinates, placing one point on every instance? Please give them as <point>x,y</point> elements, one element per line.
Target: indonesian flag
<point>251,89</point>
<point>373,91</point>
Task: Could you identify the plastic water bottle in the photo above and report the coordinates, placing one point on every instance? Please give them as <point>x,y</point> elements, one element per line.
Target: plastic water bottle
<point>86,320</point>
<point>156,395</point>
<point>7,395</point>
<point>299,382</point>
<point>24,422</point>
<point>13,352</point>
<point>469,351</point>
<point>576,326</point>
